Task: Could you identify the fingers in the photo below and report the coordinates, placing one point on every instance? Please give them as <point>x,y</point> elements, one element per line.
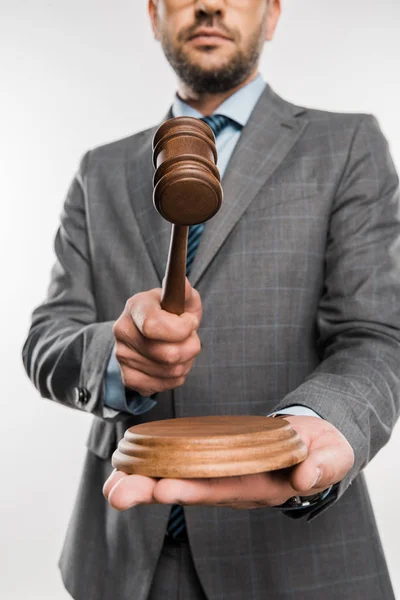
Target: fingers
<point>156,349</point>
<point>262,489</point>
<point>163,353</point>
<point>147,386</point>
<point>150,374</point>
<point>152,368</point>
<point>249,491</point>
<point>111,481</point>
<point>125,491</point>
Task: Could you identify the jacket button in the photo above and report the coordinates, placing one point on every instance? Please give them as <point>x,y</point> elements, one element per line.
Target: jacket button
<point>81,395</point>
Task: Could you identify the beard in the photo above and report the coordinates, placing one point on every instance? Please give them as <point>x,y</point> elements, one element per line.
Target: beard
<point>217,79</point>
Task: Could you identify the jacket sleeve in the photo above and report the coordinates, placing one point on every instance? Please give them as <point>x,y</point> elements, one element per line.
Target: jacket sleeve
<point>67,350</point>
<point>356,386</point>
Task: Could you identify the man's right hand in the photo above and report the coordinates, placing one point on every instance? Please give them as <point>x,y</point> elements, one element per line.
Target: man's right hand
<point>156,349</point>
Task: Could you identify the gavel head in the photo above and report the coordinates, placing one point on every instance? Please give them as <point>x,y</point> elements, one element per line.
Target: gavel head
<point>187,188</point>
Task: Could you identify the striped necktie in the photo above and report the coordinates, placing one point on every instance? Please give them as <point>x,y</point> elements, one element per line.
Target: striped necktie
<point>217,124</point>
<point>176,527</point>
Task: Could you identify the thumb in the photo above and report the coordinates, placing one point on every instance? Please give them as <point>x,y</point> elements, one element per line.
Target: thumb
<point>193,301</point>
<point>311,475</point>
<point>323,467</point>
<point>188,290</point>
<point>330,456</point>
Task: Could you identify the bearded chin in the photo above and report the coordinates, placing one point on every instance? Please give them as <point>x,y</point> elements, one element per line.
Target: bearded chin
<point>218,80</point>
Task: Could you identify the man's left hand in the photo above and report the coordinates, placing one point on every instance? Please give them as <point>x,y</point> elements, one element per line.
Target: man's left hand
<point>329,459</point>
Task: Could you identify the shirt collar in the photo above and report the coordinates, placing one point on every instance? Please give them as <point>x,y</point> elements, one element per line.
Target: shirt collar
<point>237,107</point>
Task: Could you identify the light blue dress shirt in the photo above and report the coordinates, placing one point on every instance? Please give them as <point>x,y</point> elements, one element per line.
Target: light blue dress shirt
<point>238,108</point>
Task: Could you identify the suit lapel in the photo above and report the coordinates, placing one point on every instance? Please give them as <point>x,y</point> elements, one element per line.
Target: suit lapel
<point>272,130</point>
<point>154,230</point>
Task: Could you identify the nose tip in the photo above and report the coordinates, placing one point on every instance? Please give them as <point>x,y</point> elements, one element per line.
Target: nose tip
<point>209,7</point>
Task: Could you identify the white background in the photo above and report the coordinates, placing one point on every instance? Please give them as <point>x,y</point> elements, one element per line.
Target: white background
<point>79,73</point>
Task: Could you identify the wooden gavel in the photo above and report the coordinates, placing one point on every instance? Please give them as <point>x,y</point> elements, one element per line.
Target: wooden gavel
<point>187,191</point>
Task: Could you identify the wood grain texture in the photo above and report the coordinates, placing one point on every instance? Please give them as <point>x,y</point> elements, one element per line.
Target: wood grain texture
<point>215,446</point>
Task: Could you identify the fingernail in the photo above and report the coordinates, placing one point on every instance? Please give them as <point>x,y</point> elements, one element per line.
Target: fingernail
<point>317,478</point>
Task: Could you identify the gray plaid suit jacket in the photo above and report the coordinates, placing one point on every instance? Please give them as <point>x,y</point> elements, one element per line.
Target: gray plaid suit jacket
<point>299,275</point>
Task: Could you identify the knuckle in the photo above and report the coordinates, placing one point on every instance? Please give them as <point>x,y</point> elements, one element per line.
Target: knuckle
<point>125,355</point>
<point>119,356</point>
<point>120,351</point>
<point>116,329</point>
<point>130,378</point>
<point>170,384</point>
<point>197,346</point>
<point>131,303</point>
<point>121,332</point>
<point>149,326</point>
<point>191,324</point>
<point>178,371</point>
<point>188,368</point>
<point>171,355</point>
<point>196,296</point>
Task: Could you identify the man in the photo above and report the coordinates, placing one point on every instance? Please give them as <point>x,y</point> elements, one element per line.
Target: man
<point>296,306</point>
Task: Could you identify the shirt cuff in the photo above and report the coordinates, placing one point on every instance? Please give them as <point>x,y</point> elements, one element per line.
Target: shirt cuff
<point>299,411</point>
<point>117,398</point>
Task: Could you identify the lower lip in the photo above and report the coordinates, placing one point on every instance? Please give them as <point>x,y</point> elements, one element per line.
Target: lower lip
<point>208,40</point>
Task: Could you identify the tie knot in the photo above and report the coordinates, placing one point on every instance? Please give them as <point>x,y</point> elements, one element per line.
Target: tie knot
<point>217,122</point>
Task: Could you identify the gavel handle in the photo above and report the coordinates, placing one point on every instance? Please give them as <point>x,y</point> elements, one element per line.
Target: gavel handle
<point>173,294</point>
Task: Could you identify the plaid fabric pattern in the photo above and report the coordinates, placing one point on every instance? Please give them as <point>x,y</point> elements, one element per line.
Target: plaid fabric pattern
<point>299,277</point>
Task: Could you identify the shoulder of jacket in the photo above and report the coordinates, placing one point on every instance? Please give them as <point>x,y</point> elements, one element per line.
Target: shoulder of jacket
<point>121,149</point>
<point>336,119</point>
<point>320,116</point>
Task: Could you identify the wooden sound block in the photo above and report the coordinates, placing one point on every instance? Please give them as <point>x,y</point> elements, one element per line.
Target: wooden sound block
<point>215,446</point>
